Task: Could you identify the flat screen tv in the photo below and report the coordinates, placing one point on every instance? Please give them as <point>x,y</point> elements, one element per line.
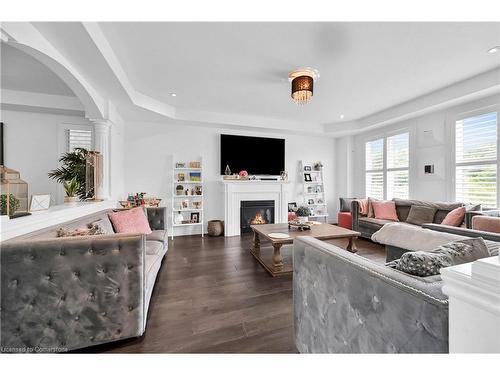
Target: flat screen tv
<point>256,155</point>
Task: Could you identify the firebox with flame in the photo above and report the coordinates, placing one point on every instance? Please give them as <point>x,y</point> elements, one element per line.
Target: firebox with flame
<point>258,219</point>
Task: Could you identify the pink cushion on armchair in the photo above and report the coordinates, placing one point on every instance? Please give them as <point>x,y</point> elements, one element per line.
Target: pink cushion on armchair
<point>486,223</point>
<point>130,221</point>
<point>385,210</point>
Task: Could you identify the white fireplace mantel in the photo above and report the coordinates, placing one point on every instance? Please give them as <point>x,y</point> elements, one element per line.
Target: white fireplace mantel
<point>236,191</point>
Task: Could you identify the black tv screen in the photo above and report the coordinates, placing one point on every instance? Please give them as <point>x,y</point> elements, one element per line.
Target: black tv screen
<point>256,155</point>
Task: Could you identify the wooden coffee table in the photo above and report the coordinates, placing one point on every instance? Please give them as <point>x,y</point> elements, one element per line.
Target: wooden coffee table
<point>320,231</point>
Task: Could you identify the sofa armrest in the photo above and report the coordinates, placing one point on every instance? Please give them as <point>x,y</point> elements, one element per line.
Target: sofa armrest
<point>157,217</point>
<point>466,232</point>
<point>73,292</point>
<point>470,214</point>
<point>355,215</point>
<point>344,303</point>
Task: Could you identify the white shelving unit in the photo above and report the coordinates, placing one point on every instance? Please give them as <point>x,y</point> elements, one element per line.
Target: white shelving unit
<point>178,199</point>
<point>314,190</point>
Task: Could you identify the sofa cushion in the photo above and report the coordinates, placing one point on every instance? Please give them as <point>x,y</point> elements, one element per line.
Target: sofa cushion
<point>403,208</point>
<point>157,235</point>
<point>455,217</point>
<point>421,214</point>
<point>371,212</point>
<point>153,247</point>
<point>428,263</point>
<point>130,221</point>
<point>345,220</point>
<point>385,210</point>
<point>345,204</point>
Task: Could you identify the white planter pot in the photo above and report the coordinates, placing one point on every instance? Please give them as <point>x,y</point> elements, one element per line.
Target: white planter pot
<point>303,219</point>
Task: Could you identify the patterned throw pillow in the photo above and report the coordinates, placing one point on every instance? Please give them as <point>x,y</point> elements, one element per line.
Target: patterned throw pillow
<point>428,263</point>
<point>91,230</point>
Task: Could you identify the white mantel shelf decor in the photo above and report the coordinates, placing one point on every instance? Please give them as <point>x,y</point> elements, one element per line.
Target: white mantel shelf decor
<point>236,191</point>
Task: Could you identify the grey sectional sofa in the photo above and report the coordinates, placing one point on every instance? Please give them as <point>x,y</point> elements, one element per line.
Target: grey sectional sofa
<point>368,225</point>
<point>344,303</point>
<point>63,294</point>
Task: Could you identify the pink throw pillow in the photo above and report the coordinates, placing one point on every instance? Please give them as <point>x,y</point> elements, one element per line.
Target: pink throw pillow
<point>455,217</point>
<point>385,210</point>
<point>130,221</point>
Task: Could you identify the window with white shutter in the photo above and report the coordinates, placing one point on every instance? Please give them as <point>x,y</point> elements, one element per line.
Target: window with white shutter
<point>76,138</point>
<point>387,167</point>
<point>476,159</point>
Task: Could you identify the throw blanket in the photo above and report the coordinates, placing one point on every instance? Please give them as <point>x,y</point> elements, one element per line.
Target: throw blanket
<point>363,206</point>
<point>412,237</point>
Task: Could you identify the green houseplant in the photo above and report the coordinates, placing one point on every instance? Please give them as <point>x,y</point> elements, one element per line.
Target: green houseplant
<point>303,213</point>
<point>13,204</point>
<point>71,189</point>
<point>73,166</point>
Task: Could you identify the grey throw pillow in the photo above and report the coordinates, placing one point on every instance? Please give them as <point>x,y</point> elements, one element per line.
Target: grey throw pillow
<point>428,263</point>
<point>419,215</point>
<point>345,204</point>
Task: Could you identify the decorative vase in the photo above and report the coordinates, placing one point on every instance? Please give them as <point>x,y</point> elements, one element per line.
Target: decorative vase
<point>303,219</point>
<point>70,200</point>
<point>178,218</point>
<point>215,228</point>
<point>227,172</point>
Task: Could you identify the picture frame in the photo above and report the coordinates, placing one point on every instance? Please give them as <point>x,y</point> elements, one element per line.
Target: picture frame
<point>185,204</point>
<point>307,177</point>
<point>292,206</point>
<point>39,202</point>
<point>307,168</point>
<point>180,165</point>
<point>181,177</point>
<point>195,217</point>
<point>194,164</point>
<point>195,176</point>
<point>196,205</point>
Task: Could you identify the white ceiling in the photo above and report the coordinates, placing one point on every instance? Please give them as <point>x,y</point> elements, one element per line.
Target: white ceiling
<point>22,72</point>
<point>241,68</point>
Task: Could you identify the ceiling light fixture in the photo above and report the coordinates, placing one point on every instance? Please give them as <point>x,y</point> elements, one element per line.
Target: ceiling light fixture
<point>173,94</point>
<point>342,116</point>
<point>303,84</point>
<point>494,50</point>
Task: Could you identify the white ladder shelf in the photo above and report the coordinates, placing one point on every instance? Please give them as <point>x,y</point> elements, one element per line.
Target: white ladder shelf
<point>313,190</point>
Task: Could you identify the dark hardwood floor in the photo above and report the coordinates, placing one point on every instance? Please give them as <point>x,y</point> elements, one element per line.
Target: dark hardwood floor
<point>211,296</point>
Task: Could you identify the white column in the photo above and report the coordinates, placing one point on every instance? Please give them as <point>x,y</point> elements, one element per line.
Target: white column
<point>474,304</point>
<point>102,143</point>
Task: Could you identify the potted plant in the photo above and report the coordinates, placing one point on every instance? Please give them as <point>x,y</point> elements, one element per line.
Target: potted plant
<point>13,204</point>
<point>71,188</point>
<point>318,165</point>
<point>303,213</point>
<point>73,166</point>
<point>179,189</point>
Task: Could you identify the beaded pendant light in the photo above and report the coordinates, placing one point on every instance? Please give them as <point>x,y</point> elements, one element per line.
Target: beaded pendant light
<point>302,82</point>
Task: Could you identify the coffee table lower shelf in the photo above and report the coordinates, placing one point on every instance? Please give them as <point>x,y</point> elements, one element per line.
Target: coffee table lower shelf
<point>279,270</point>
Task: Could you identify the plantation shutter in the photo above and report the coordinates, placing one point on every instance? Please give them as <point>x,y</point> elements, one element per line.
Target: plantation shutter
<point>78,139</point>
<point>476,159</point>
<point>374,183</point>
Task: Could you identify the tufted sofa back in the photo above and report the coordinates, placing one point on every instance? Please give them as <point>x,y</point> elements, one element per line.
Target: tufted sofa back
<point>61,294</point>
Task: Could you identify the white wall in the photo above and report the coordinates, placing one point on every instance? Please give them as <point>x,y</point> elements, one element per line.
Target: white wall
<point>431,142</point>
<point>151,148</point>
<point>33,142</point>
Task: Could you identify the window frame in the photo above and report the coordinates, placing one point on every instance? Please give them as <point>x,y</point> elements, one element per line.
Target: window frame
<point>385,169</point>
<point>454,118</point>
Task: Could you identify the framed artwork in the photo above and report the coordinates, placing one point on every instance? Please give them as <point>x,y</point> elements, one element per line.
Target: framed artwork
<point>307,177</point>
<point>180,165</point>
<point>196,205</point>
<point>307,168</point>
<point>195,217</point>
<point>194,164</point>
<point>292,206</point>
<point>40,202</point>
<point>181,177</point>
<point>195,176</point>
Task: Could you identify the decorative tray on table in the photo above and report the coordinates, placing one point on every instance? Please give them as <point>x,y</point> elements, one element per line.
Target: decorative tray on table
<point>298,225</point>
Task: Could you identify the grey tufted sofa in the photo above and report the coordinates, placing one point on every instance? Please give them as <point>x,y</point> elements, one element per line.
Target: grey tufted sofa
<point>62,294</point>
<point>344,303</point>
